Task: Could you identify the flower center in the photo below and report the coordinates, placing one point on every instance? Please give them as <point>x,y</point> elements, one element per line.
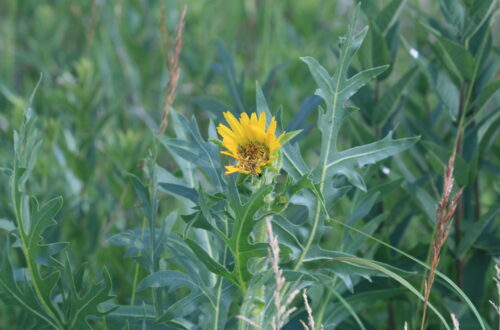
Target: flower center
<point>252,156</point>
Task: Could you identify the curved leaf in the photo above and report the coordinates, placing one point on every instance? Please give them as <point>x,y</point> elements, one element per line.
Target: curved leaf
<point>396,277</point>
<point>423,264</point>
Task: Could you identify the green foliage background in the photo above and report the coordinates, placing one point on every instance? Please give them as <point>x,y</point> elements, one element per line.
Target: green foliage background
<point>427,71</point>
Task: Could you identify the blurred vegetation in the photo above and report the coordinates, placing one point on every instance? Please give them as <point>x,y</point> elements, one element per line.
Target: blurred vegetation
<point>103,73</point>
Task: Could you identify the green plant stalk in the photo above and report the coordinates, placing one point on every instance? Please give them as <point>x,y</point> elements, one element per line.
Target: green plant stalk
<point>241,280</point>
<point>318,211</point>
<point>136,271</point>
<point>465,95</point>
<point>104,323</point>
<point>261,237</point>
<point>375,100</point>
<point>457,147</point>
<point>3,316</point>
<point>319,318</point>
<point>380,210</point>
<point>219,285</point>
<point>217,299</point>
<point>321,182</point>
<point>348,307</point>
<point>31,263</point>
<point>310,239</point>
<point>457,224</point>
<point>330,291</point>
<point>324,303</point>
<point>157,301</point>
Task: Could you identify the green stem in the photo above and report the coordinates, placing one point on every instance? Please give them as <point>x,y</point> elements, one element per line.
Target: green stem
<point>314,228</point>
<point>31,263</point>
<point>134,285</point>
<point>315,223</point>
<point>136,271</point>
<point>104,323</point>
<point>457,223</point>
<point>310,239</point>
<point>157,301</point>
<point>324,303</point>
<point>321,183</point>
<point>239,266</point>
<point>465,97</point>
<point>219,285</point>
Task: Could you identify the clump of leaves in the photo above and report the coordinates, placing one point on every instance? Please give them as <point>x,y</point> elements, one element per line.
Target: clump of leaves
<point>49,291</point>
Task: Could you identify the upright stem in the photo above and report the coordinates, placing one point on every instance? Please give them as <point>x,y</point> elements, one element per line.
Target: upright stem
<point>219,285</point>
<point>136,271</point>
<point>465,97</point>
<point>152,232</point>
<point>31,263</point>
<point>311,235</point>
<point>390,317</point>
<point>375,100</point>
<point>477,199</point>
<point>324,303</point>
<point>458,146</point>
<point>314,225</point>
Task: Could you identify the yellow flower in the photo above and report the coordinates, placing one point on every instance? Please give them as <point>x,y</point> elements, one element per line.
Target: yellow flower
<point>249,143</point>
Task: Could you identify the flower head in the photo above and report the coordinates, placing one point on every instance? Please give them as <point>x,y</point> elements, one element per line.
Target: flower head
<point>249,143</point>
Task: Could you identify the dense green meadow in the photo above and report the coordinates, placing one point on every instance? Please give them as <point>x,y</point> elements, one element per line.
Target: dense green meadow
<point>379,208</point>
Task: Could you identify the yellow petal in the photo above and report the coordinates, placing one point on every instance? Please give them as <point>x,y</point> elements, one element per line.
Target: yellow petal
<point>235,125</point>
<point>262,121</point>
<point>279,137</point>
<point>225,132</point>
<point>233,169</point>
<point>258,134</point>
<point>271,130</point>
<point>232,148</point>
<point>229,154</point>
<point>253,119</point>
<point>244,120</point>
<point>273,147</point>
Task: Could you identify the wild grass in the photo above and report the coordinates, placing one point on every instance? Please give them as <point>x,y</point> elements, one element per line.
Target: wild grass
<point>444,214</point>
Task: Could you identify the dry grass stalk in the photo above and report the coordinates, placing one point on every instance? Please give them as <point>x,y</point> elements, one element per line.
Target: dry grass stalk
<point>247,320</point>
<point>282,310</point>
<point>444,214</point>
<point>456,325</point>
<point>172,65</point>
<point>496,278</point>
<point>92,23</point>
<point>310,319</point>
<point>164,33</point>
